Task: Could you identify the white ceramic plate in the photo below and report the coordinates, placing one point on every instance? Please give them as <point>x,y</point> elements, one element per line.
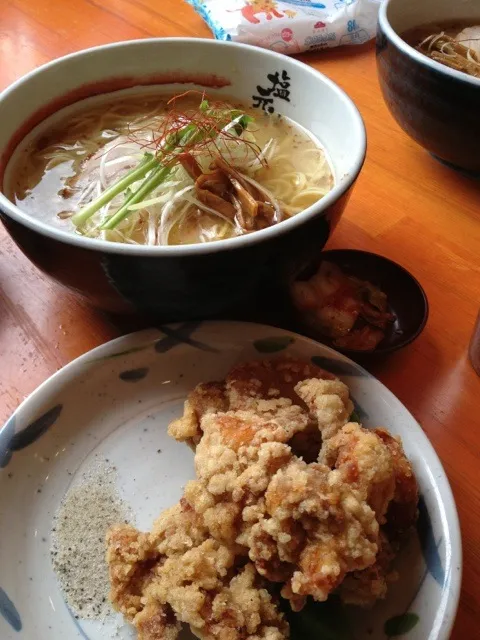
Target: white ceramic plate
<point>117,401</point>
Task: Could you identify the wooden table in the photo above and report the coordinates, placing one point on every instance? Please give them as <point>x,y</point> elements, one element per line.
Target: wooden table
<point>406,206</point>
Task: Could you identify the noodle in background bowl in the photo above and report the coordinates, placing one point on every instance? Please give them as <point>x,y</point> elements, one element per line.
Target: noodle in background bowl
<point>437,106</point>
<point>189,281</point>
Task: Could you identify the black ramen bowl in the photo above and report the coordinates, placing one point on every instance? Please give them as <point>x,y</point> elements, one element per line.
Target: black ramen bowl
<point>406,299</point>
<point>188,281</point>
<point>437,106</point>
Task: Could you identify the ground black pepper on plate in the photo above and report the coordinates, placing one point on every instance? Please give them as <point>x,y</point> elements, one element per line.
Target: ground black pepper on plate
<point>77,551</point>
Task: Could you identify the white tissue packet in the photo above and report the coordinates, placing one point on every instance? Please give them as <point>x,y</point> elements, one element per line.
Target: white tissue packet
<point>291,26</point>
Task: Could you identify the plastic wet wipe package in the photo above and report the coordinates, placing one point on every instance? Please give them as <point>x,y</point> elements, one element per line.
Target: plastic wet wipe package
<point>291,26</point>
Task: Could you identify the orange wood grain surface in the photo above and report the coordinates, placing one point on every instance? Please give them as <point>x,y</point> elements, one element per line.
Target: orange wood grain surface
<point>406,206</point>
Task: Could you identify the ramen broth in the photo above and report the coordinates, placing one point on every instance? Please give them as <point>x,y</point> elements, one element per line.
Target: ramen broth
<point>455,44</point>
<point>223,169</point>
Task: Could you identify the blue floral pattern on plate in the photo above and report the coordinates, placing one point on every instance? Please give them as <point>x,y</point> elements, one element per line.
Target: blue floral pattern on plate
<point>430,548</point>
<point>9,611</point>
<point>134,375</point>
<point>11,441</point>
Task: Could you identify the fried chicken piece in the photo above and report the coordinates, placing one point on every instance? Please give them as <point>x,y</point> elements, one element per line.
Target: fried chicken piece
<point>265,379</point>
<point>330,407</point>
<point>157,622</point>
<point>248,382</point>
<point>234,462</point>
<point>395,507</point>
<point>375,461</point>
<point>276,422</point>
<point>208,397</point>
<point>132,563</point>
<point>305,525</point>
<point>180,574</point>
<point>317,526</point>
<point>177,530</point>
<point>364,588</point>
<point>235,441</point>
<point>245,609</point>
<point>186,579</point>
<point>329,403</point>
<point>135,559</point>
<point>130,558</point>
<point>365,463</point>
<point>264,388</point>
<point>403,509</point>
<point>245,386</point>
<point>301,524</point>
<point>216,599</point>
